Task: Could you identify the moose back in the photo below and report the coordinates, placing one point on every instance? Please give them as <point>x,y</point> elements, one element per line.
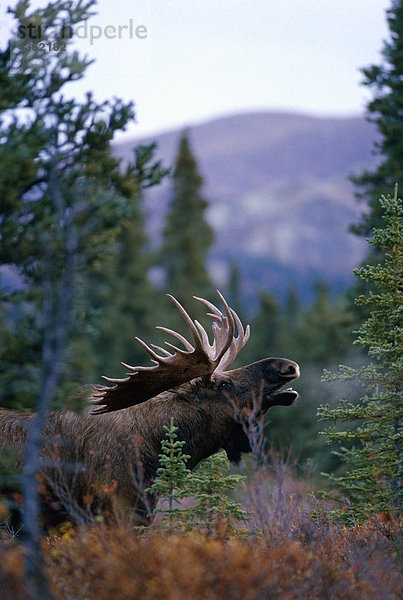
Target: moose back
<point>103,460</point>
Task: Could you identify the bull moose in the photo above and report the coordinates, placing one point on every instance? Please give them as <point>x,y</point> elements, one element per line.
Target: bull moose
<point>104,459</point>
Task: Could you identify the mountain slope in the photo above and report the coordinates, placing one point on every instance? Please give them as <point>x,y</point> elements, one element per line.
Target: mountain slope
<point>280,201</point>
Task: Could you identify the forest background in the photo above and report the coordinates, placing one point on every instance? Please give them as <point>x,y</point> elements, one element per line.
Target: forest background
<point>82,272</point>
<point>80,288</point>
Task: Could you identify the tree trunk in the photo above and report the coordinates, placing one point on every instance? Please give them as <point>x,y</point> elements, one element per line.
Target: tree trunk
<point>56,313</point>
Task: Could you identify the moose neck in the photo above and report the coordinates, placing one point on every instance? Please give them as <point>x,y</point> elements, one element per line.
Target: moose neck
<point>203,420</point>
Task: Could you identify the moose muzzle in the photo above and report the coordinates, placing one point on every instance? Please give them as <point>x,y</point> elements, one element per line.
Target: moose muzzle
<point>266,377</point>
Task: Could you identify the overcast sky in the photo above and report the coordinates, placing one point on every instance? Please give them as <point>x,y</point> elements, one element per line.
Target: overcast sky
<point>200,59</point>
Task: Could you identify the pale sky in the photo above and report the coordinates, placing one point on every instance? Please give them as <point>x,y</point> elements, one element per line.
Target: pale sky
<point>206,58</point>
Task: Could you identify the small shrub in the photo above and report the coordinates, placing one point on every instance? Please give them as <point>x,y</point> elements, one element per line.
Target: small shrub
<point>172,478</point>
<point>207,486</point>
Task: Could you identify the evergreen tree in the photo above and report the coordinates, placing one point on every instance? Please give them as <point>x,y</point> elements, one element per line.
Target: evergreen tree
<point>209,484</point>
<point>186,236</point>
<point>373,451</point>
<point>321,334</point>
<point>265,328</point>
<point>234,288</point>
<point>386,110</point>
<point>314,336</point>
<point>292,304</point>
<point>123,300</point>
<point>172,477</point>
<point>63,199</point>
<point>289,324</point>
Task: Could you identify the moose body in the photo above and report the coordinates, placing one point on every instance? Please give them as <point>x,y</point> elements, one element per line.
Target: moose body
<point>104,459</point>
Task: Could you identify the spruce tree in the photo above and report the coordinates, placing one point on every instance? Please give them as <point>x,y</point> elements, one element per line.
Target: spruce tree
<point>386,110</point>
<point>234,288</point>
<point>265,327</point>
<point>123,301</point>
<point>291,315</point>
<point>171,483</point>
<point>64,197</point>
<point>187,236</point>
<point>209,484</point>
<point>370,432</point>
<point>321,334</point>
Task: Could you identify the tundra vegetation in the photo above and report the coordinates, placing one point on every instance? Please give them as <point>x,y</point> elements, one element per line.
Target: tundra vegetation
<point>72,221</point>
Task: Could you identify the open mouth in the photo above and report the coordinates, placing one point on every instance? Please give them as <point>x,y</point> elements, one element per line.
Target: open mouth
<point>281,397</point>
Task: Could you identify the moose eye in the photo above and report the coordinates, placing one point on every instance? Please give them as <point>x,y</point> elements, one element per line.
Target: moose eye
<point>225,386</point>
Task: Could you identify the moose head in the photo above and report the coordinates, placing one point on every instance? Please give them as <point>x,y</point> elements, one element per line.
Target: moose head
<point>199,374</point>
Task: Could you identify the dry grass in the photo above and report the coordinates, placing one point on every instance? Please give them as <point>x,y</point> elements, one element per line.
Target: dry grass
<point>101,563</point>
<point>285,554</point>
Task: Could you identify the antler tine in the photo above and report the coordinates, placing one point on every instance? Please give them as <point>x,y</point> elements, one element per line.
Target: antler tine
<point>170,369</point>
<point>237,343</point>
<point>147,348</point>
<point>115,379</point>
<point>204,336</point>
<point>130,367</point>
<point>215,312</point>
<point>243,334</point>
<point>178,336</point>
<point>163,350</point>
<point>230,321</point>
<point>223,329</point>
<point>189,323</point>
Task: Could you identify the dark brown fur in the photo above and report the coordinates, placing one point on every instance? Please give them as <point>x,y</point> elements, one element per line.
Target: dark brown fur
<point>103,463</point>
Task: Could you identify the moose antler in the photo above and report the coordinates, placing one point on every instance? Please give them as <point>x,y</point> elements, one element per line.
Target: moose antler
<point>219,327</point>
<point>171,369</point>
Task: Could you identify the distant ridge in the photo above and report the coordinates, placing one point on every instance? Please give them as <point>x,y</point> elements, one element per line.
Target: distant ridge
<point>280,200</point>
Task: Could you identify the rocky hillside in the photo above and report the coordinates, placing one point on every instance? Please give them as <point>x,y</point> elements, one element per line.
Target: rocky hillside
<point>280,201</point>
